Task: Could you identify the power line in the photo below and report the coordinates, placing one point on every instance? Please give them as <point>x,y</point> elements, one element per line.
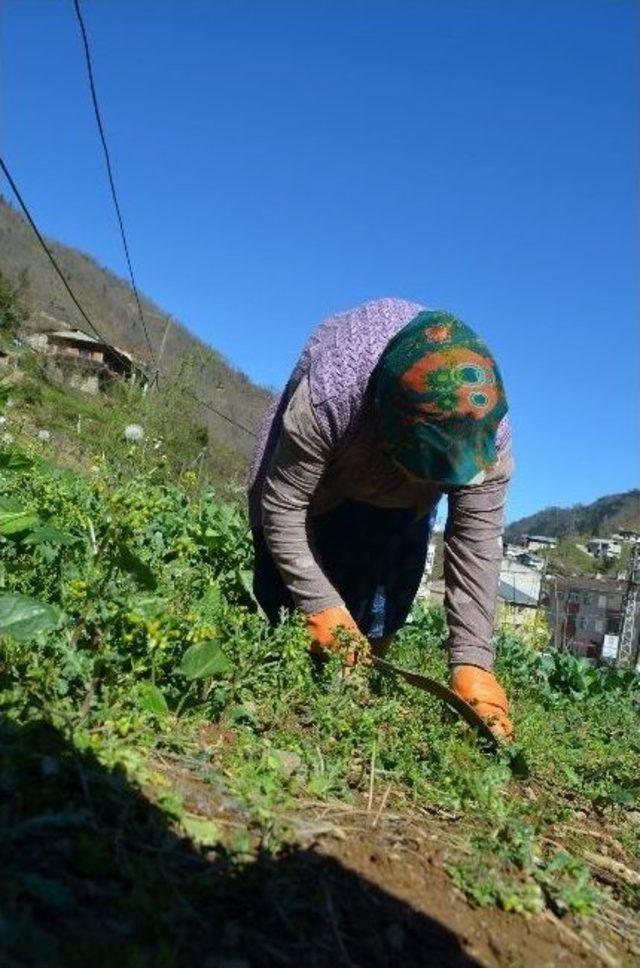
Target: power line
<point>107,158</point>
<point>96,110</point>
<point>27,213</point>
<point>72,295</point>
<point>219,413</point>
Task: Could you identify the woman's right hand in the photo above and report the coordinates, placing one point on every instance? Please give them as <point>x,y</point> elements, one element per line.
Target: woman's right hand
<point>324,630</point>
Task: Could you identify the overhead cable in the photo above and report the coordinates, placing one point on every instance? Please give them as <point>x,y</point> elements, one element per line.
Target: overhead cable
<point>46,248</point>
<point>107,158</point>
<point>213,409</point>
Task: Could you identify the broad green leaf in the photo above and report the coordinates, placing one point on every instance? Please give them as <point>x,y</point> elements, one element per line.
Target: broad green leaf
<point>22,618</point>
<point>13,522</point>
<point>10,504</point>
<point>47,534</point>
<point>201,830</point>
<point>204,659</point>
<point>152,699</point>
<point>13,459</point>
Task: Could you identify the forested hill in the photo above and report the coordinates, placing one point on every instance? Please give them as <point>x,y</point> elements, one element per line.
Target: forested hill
<point>602,517</point>
<point>110,303</point>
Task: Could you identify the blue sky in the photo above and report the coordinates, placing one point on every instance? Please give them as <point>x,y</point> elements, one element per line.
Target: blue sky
<point>279,161</point>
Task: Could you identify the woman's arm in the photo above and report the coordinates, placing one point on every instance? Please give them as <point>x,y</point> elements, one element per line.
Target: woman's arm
<point>299,461</point>
<point>472,557</point>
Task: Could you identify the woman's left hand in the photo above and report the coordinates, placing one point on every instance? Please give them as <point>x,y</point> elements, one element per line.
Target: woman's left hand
<point>480,688</point>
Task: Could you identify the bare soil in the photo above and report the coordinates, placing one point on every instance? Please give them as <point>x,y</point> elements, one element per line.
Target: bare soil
<point>359,885</point>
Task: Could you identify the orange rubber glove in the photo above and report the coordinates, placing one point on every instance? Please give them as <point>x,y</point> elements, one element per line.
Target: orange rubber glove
<point>322,628</point>
<point>482,690</point>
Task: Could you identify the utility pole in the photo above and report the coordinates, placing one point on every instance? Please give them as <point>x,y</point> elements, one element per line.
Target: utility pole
<point>630,610</point>
<point>164,340</point>
<point>156,377</point>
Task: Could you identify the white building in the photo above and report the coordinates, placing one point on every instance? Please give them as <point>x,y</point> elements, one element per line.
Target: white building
<point>582,611</point>
<point>627,536</point>
<point>519,585</point>
<point>531,560</point>
<point>512,550</point>
<point>539,542</point>
<point>606,548</point>
<point>424,591</point>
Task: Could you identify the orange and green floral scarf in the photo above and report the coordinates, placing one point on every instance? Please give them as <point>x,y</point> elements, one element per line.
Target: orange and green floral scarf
<point>439,399</point>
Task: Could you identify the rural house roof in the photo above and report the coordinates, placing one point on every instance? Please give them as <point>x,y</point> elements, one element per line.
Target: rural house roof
<point>77,334</point>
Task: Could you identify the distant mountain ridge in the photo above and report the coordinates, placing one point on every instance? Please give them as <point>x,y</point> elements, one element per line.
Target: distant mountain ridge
<point>600,518</point>
<point>110,303</point>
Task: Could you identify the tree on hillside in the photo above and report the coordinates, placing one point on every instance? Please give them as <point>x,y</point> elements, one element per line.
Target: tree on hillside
<point>13,311</point>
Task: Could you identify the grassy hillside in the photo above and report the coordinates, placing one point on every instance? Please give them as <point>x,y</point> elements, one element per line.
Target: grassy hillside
<point>109,301</point>
<point>599,519</point>
<point>82,431</point>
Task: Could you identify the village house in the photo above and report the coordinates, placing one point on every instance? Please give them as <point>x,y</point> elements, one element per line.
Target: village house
<point>538,542</point>
<point>627,536</point>
<point>511,550</point>
<point>530,560</point>
<point>519,589</point>
<point>606,548</point>
<point>84,361</point>
<point>582,611</point>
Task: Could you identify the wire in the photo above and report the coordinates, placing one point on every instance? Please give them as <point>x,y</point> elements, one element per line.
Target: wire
<point>46,248</point>
<point>107,158</point>
<point>219,413</point>
<point>96,110</point>
<point>28,216</point>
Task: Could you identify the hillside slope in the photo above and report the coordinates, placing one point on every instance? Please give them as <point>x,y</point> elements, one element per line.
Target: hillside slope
<point>602,517</point>
<point>109,301</point>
